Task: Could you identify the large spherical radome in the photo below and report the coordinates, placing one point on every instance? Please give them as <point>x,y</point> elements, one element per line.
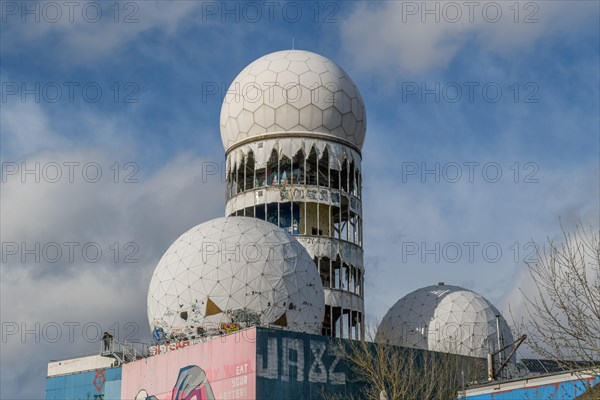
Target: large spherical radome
<point>293,91</point>
<point>233,272</point>
<point>444,318</point>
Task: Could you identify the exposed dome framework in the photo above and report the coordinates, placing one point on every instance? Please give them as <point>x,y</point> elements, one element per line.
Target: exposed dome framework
<point>293,92</point>
<point>235,270</point>
<point>444,318</point>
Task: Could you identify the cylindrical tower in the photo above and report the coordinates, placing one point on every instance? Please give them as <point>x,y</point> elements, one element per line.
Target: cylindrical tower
<point>293,124</point>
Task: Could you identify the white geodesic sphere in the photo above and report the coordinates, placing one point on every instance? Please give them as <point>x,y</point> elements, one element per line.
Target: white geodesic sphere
<point>444,318</point>
<point>293,91</point>
<point>235,270</point>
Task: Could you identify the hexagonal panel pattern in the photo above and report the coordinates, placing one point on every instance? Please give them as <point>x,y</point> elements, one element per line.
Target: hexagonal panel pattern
<point>444,318</point>
<point>293,79</point>
<point>235,270</point>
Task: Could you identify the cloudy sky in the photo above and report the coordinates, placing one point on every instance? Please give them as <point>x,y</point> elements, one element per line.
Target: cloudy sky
<point>483,132</point>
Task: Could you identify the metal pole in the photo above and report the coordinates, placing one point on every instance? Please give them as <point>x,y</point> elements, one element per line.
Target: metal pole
<point>499,339</point>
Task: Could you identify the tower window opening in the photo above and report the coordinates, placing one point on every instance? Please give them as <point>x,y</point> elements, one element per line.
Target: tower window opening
<point>352,286</point>
<point>336,328</point>
<point>285,171</point>
<point>230,185</point>
<point>234,180</point>
<point>259,212</point>
<point>249,181</point>
<point>298,223</point>
<point>289,217</point>
<point>357,188</point>
<point>298,168</point>
<point>327,331</point>
<point>239,180</point>
<point>345,217</point>
<point>273,169</point>
<point>261,177</point>
<point>344,176</point>
<point>336,266</point>
<point>345,278</point>
<point>311,168</point>
<point>273,213</point>
<point>334,175</point>
<point>351,182</point>
<point>346,320</point>
<point>324,169</point>
<point>336,222</point>
<point>356,325</point>
<point>325,271</point>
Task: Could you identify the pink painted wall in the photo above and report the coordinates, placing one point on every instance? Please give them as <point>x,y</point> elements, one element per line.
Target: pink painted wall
<point>229,363</point>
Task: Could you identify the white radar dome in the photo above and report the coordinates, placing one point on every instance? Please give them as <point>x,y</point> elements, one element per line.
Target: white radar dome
<point>293,92</point>
<point>444,318</point>
<point>234,272</point>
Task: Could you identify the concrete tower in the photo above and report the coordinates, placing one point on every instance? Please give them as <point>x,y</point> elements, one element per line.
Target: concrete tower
<point>293,125</point>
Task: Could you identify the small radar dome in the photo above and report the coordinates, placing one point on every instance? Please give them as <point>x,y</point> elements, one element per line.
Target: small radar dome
<point>445,318</point>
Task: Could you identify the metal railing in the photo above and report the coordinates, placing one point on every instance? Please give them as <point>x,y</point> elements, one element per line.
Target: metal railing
<point>124,352</point>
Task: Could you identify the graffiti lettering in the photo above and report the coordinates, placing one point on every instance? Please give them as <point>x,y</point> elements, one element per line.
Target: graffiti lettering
<point>163,348</point>
<point>298,194</point>
<point>295,345</point>
<point>99,380</point>
<point>318,372</point>
<point>230,327</point>
<point>272,368</point>
<point>336,378</point>
<point>320,360</point>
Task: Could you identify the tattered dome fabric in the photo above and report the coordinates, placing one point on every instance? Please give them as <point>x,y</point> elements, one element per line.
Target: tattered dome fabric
<point>235,270</point>
<point>293,92</point>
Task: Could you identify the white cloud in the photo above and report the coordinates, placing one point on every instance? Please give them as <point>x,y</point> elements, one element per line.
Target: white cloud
<point>83,33</point>
<point>402,37</point>
<point>397,213</point>
<point>26,128</point>
<point>148,214</point>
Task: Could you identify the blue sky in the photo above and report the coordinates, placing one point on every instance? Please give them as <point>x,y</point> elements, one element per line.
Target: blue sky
<point>166,60</point>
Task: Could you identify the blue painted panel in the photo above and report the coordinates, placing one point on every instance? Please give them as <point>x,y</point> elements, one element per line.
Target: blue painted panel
<point>81,386</point>
<point>557,391</point>
<point>112,390</point>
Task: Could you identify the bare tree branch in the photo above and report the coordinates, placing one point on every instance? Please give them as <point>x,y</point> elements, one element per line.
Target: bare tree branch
<point>563,312</point>
<point>405,373</point>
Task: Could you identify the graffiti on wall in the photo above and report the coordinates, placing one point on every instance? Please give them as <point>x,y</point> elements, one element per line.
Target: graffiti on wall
<point>298,359</point>
<point>230,327</point>
<point>192,384</point>
<point>99,380</point>
<point>99,384</point>
<point>218,368</point>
